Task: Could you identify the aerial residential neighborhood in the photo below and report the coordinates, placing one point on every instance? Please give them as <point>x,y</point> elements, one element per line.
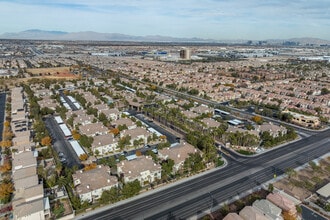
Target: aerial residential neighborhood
<point>85,132</point>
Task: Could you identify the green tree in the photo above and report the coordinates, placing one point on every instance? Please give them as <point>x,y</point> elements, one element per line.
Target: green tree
<point>271,187</point>
<point>286,117</point>
<point>124,141</point>
<point>193,163</point>
<point>46,111</point>
<point>70,121</point>
<point>163,145</point>
<point>290,172</point>
<point>153,155</point>
<point>110,196</point>
<point>139,123</point>
<point>86,141</point>
<point>224,210</point>
<point>167,167</point>
<point>131,189</point>
<point>325,91</point>
<point>61,110</point>
<point>122,127</point>
<point>267,139</point>
<point>103,118</point>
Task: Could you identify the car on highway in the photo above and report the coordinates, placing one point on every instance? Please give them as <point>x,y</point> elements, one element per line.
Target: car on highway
<point>60,154</point>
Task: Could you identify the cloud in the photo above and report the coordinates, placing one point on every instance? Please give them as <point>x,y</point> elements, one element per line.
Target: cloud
<point>184,18</point>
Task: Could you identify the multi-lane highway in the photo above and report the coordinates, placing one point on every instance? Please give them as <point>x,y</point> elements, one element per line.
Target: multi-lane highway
<point>197,195</point>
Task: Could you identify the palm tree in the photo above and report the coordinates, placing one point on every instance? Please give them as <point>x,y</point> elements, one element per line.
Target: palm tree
<point>62,181</point>
<point>58,168</point>
<point>290,172</point>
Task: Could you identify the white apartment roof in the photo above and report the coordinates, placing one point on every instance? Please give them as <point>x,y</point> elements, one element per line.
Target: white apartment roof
<point>155,131</point>
<point>324,191</point>
<point>58,119</point>
<point>65,130</point>
<point>77,148</point>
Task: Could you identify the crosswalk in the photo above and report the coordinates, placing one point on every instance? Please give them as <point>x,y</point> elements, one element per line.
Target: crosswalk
<point>302,134</point>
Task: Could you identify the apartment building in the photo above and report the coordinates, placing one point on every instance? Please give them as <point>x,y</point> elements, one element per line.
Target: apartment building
<point>28,201</point>
<point>143,169</point>
<point>274,130</point>
<point>124,121</point>
<point>104,144</point>
<point>304,120</point>
<point>136,134</point>
<point>178,153</point>
<point>93,129</point>
<point>89,185</point>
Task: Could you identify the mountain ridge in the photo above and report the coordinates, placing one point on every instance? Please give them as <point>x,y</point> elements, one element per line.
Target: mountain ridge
<point>37,34</point>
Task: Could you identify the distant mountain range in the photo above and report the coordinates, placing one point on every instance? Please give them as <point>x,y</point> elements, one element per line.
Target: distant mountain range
<point>36,34</point>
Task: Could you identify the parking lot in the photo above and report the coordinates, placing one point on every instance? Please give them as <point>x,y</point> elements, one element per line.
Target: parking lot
<point>72,106</point>
<point>61,145</point>
<point>169,136</point>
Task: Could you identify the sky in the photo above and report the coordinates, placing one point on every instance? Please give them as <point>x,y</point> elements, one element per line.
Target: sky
<point>208,19</point>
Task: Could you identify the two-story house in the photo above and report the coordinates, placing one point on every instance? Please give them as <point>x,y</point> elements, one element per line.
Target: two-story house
<point>104,144</point>
<point>89,185</point>
<point>178,153</point>
<point>143,169</point>
<point>93,129</point>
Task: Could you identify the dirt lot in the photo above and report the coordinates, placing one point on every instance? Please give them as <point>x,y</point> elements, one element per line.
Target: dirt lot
<point>55,72</point>
<point>305,182</point>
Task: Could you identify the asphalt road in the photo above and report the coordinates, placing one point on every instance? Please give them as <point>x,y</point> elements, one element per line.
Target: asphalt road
<point>61,144</point>
<point>2,112</point>
<point>193,197</point>
<point>308,214</point>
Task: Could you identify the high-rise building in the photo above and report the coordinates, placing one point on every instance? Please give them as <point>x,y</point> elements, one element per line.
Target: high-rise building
<point>185,54</point>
